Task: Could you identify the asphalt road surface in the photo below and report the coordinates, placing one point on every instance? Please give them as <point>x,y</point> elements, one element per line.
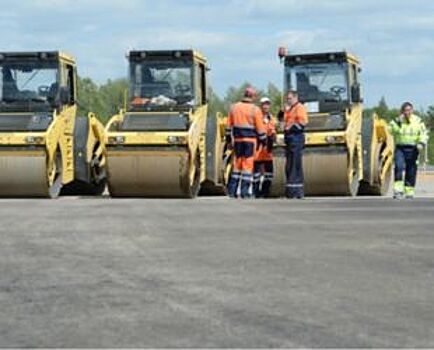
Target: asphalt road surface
<point>215,272</point>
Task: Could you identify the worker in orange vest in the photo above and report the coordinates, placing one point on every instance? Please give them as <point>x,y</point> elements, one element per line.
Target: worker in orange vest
<point>264,154</point>
<point>295,120</point>
<point>244,129</point>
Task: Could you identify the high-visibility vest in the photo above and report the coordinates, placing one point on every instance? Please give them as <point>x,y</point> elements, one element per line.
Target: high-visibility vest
<point>265,153</point>
<point>245,122</point>
<point>296,114</point>
<point>409,131</point>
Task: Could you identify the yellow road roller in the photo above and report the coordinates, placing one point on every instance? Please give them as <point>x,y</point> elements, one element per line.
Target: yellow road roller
<point>346,154</point>
<point>45,148</point>
<point>164,144</point>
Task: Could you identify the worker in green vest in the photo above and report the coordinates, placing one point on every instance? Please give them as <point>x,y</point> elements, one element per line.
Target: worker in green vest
<point>411,136</point>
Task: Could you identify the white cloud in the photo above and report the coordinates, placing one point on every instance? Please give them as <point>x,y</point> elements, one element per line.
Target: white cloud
<point>240,38</point>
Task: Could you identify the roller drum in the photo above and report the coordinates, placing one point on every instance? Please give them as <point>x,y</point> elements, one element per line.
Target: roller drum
<point>326,172</point>
<point>148,174</point>
<point>24,175</point>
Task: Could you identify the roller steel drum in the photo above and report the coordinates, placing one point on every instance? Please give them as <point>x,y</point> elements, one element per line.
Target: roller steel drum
<point>148,173</point>
<point>326,173</point>
<point>23,174</point>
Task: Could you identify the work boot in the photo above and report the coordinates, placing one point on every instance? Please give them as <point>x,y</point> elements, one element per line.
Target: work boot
<point>233,185</point>
<point>409,192</point>
<point>398,189</point>
<point>245,189</point>
<point>289,194</point>
<point>256,185</point>
<point>398,195</point>
<point>257,193</point>
<point>298,193</point>
<point>266,188</point>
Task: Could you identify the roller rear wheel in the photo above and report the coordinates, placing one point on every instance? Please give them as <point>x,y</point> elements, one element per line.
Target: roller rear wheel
<point>380,187</point>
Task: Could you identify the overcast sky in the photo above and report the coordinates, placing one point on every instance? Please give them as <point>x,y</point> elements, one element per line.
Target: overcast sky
<point>394,39</point>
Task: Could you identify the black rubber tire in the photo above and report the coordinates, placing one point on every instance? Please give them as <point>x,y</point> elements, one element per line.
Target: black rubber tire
<point>379,188</point>
<point>210,189</point>
<point>92,188</point>
<point>81,188</point>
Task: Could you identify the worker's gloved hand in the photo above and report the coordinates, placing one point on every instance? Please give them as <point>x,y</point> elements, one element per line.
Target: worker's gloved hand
<point>420,146</point>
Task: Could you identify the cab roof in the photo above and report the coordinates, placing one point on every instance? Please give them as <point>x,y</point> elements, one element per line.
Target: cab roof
<point>323,57</point>
<point>38,55</point>
<point>138,55</point>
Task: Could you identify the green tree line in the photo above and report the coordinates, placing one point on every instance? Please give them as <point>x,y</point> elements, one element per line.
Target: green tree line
<point>106,99</point>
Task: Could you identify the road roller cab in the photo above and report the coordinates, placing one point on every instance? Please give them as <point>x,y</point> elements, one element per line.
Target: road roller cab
<point>343,149</point>
<point>157,146</point>
<point>44,146</point>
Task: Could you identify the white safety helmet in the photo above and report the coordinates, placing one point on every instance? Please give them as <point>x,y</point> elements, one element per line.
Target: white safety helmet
<point>264,100</point>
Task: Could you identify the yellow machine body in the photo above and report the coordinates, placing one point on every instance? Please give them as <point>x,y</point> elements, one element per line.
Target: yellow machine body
<point>345,153</point>
<point>159,149</point>
<point>332,160</point>
<point>37,151</point>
